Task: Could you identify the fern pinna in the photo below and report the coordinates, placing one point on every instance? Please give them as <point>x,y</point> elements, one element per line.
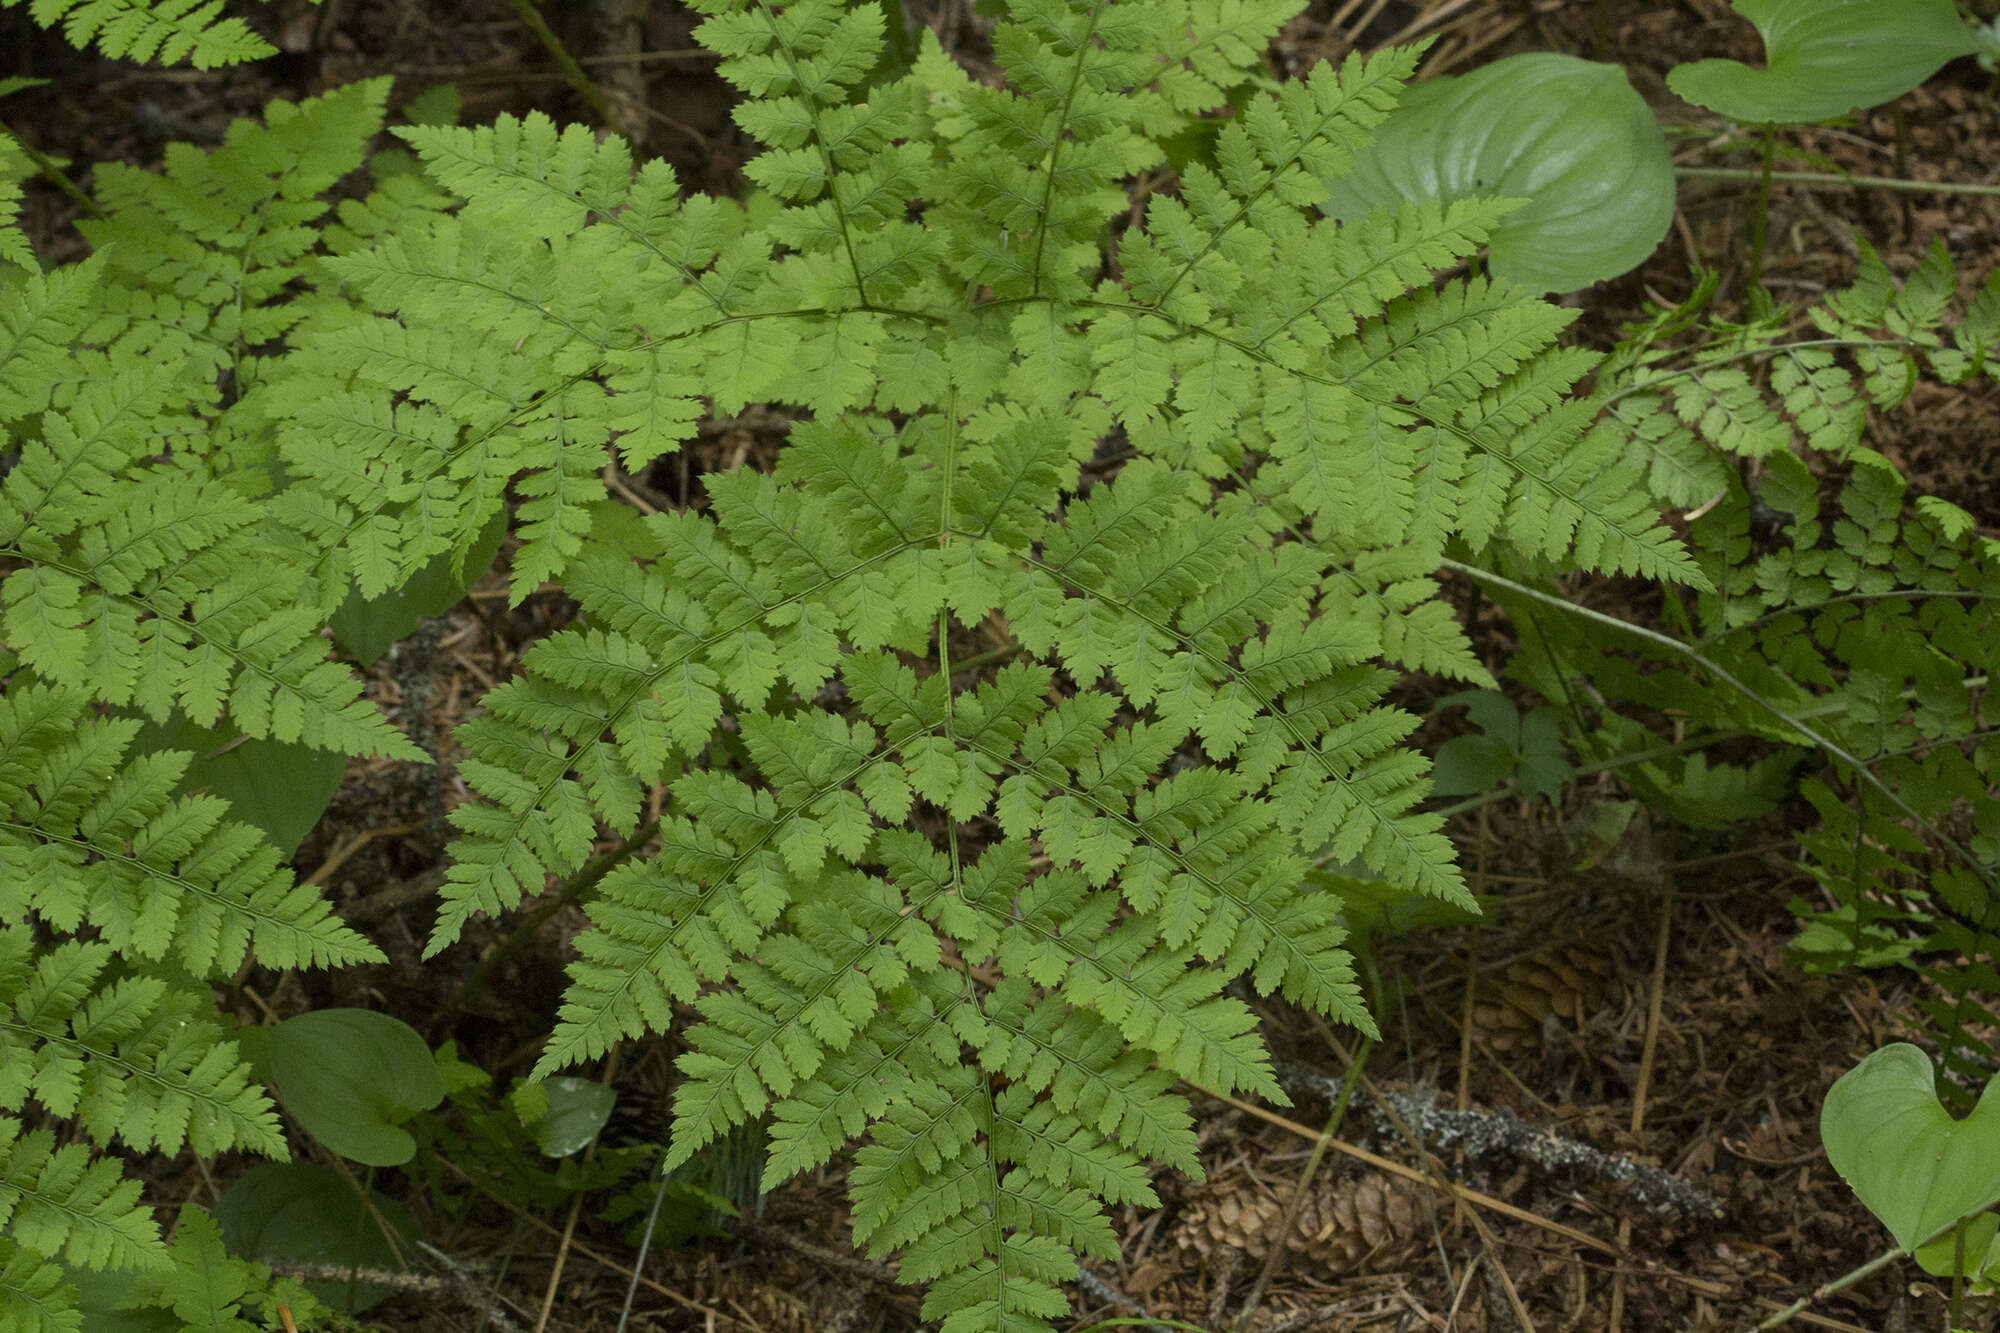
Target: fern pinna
<point>997,723</point>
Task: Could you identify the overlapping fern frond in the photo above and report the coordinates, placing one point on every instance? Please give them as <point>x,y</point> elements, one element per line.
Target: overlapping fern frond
<point>117,1031</point>
<point>144,575</point>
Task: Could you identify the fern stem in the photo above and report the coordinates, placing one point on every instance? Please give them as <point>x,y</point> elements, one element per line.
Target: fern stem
<point>1748,354</point>
<point>571,71</point>
<point>1011,648</point>
<point>1796,722</point>
<point>1763,217</point>
<point>1829,179</point>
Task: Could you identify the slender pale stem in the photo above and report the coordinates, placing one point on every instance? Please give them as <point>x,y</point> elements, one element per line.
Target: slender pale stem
<point>1834,180</point>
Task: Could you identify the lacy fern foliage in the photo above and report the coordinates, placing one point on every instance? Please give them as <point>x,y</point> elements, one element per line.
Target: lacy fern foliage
<point>1845,617</point>
<point>146,574</point>
<point>998,722</point>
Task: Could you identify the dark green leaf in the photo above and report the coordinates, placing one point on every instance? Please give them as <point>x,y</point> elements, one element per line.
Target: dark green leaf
<point>1823,58</point>
<point>577,1109</point>
<point>309,1215</point>
<point>279,788</point>
<point>367,627</point>
<point>351,1076</point>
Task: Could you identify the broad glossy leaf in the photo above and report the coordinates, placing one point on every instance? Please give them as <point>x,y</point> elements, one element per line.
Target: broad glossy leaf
<point>576,1109</point>
<point>1569,136</point>
<point>350,1077</point>
<point>1914,1166</point>
<point>281,789</point>
<point>1823,58</point>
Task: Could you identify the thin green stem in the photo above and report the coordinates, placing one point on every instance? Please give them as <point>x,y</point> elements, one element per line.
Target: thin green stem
<point>572,72</point>
<point>1865,1271</point>
<point>1795,721</point>
<point>1303,1185</point>
<point>1762,219</point>
<point>46,165</point>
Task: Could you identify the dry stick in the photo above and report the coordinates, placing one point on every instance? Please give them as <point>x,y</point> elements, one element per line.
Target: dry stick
<point>1463,1193</point>
<point>339,855</point>
<point>1434,1175</point>
<point>1275,1259</point>
<point>1658,985</point>
<point>1464,1285</point>
<point>575,1207</point>
<point>1464,1099</point>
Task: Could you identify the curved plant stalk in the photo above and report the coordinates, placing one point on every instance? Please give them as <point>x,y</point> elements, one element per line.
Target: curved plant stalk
<point>1867,1270</point>
<point>1796,722</point>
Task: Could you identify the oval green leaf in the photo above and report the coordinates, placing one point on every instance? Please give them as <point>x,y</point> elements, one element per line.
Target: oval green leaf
<point>309,1215</point>
<point>1824,58</point>
<point>279,788</point>
<point>1914,1166</point>
<point>351,1076</point>
<point>1569,136</point>
<point>577,1109</point>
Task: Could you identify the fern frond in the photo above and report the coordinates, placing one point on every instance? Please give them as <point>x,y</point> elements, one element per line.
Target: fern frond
<point>945,694</point>
<point>62,1203</point>
<point>130,1059</point>
<point>165,30</point>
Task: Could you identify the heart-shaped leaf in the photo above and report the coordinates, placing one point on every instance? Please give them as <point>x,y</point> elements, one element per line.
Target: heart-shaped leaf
<point>1914,1166</point>
<point>309,1215</point>
<point>1823,58</point>
<point>351,1076</point>
<point>279,788</point>
<point>1569,136</point>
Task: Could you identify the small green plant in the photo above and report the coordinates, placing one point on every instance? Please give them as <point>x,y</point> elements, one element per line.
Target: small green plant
<point>1930,1179</point>
<point>1825,58</point>
<point>1508,745</point>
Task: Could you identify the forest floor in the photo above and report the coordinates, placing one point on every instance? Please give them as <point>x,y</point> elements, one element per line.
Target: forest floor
<point>1635,1000</point>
